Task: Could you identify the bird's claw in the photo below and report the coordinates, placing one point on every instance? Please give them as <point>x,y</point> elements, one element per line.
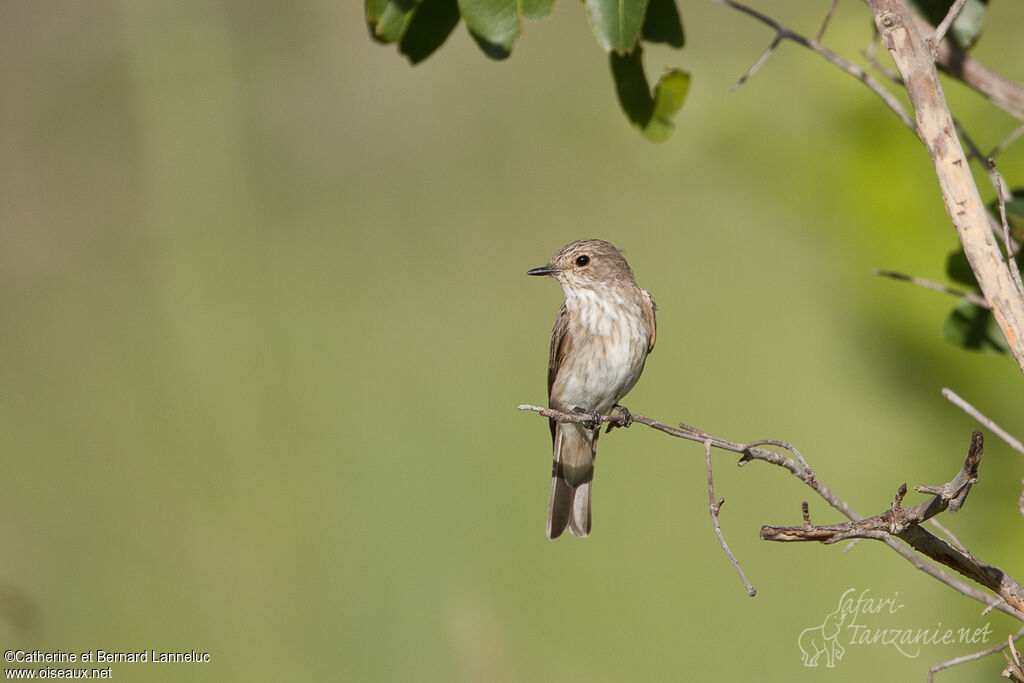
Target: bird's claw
<point>625,418</point>
<point>595,417</point>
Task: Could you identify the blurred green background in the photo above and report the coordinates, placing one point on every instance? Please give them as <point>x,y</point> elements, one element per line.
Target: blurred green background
<point>264,324</point>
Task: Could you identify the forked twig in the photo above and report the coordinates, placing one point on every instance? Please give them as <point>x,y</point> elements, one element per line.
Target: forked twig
<point>784,33</point>
<point>947,21</point>
<point>804,474</point>
<point>905,523</point>
<point>716,508</point>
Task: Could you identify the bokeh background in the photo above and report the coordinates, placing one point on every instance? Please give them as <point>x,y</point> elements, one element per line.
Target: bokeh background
<point>264,325</point>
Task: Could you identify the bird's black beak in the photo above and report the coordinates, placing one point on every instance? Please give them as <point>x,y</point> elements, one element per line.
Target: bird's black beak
<point>543,270</point>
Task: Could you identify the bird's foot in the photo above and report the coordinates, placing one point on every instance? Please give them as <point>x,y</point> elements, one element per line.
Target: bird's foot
<point>595,417</point>
<point>625,418</point>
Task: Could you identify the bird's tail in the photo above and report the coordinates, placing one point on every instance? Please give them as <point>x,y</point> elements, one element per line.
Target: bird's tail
<point>572,476</point>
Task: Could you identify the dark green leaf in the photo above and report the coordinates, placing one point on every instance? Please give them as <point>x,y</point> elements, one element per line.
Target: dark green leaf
<point>431,24</point>
<point>662,23</point>
<point>972,327</point>
<point>616,23</point>
<point>494,24</point>
<point>388,19</point>
<point>959,270</point>
<point>652,116</point>
<point>967,27</point>
<point>536,9</point>
<point>631,87</point>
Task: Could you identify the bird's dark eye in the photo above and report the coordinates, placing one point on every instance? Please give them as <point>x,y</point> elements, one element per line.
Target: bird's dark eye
<point>582,260</point>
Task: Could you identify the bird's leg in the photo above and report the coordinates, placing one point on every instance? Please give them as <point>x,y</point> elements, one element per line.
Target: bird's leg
<point>625,418</point>
<point>595,417</point>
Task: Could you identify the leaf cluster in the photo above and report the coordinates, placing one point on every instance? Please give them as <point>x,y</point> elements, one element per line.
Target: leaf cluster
<point>621,27</point>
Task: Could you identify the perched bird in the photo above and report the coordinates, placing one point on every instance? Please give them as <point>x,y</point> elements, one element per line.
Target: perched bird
<point>602,336</point>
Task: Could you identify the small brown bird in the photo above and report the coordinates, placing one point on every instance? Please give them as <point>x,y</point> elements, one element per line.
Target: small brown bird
<point>602,336</point>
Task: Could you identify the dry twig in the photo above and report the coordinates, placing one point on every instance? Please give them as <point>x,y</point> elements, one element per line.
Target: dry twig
<point>716,508</point>
<point>986,422</point>
<point>930,284</point>
<point>803,473</point>
<point>904,523</point>
<point>974,655</point>
<point>947,21</point>
<point>784,33</point>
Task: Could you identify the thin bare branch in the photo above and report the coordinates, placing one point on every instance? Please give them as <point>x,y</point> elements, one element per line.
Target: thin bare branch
<point>824,24</point>
<point>846,65</point>
<point>1014,664</point>
<point>869,54</point>
<point>929,284</point>
<point>974,153</point>
<point>953,540</point>
<point>715,506</point>
<point>989,424</point>
<point>1001,91</point>
<point>760,60</point>
<point>940,30</point>
<point>905,523</point>
<point>1002,196</point>
<point>973,656</point>
<point>804,474</point>
<point>1007,141</point>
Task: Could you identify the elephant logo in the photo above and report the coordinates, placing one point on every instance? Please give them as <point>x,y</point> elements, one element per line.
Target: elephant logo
<point>823,640</point>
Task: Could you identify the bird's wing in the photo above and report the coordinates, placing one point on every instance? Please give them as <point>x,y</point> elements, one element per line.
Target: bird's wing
<point>560,340</point>
<point>649,310</point>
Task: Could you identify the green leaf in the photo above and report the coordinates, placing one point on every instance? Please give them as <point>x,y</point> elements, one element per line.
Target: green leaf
<point>631,87</point>
<point>972,327</point>
<point>959,270</point>
<point>616,23</point>
<point>535,9</point>
<point>662,23</point>
<point>651,115</point>
<point>375,8</point>
<point>494,24</point>
<point>668,100</point>
<point>388,19</point>
<point>431,24</point>
<point>968,24</point>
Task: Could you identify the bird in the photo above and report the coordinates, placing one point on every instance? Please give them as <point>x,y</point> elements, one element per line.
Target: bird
<point>602,336</point>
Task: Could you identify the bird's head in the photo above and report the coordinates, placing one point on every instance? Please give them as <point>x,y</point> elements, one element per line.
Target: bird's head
<point>587,264</point>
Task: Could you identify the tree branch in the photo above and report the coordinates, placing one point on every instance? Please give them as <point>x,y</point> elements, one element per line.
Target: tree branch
<point>974,655</point>
<point>936,129</point>
<point>904,523</point>
<point>753,451</point>
<point>930,284</point>
<point>1006,94</point>
<point>781,32</point>
<point>947,21</point>
<point>716,509</point>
